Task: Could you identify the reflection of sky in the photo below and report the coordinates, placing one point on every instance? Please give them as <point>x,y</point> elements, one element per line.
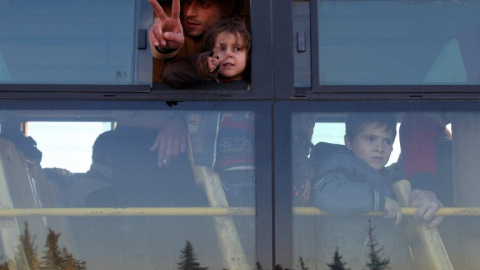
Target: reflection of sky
<point>66,145</point>
<point>112,243</point>
<point>334,132</point>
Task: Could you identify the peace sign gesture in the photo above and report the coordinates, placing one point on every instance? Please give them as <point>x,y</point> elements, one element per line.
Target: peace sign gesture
<point>166,32</point>
<point>214,61</point>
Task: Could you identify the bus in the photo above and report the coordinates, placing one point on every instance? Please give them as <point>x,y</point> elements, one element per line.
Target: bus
<point>101,167</point>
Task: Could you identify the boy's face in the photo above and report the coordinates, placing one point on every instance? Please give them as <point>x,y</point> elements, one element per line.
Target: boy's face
<point>232,45</point>
<point>373,144</point>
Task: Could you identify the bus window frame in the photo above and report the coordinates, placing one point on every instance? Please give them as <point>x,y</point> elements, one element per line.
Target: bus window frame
<point>284,77</point>
<point>263,133</point>
<point>334,111</point>
<point>261,82</point>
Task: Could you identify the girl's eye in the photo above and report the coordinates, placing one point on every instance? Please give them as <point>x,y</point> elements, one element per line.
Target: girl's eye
<point>388,142</point>
<point>222,49</point>
<point>237,49</point>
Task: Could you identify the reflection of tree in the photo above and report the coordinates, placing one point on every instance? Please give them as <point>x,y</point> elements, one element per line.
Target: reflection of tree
<point>376,262</point>
<point>188,260</point>
<point>4,266</point>
<point>302,264</point>
<point>27,251</point>
<point>337,263</point>
<point>55,258</point>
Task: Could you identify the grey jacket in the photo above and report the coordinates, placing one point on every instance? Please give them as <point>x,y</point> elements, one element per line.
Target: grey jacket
<point>347,185</point>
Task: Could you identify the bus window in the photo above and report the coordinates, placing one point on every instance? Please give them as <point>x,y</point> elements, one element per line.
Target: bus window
<point>375,43</point>
<point>180,68</point>
<point>68,144</point>
<point>86,43</point>
<point>347,167</point>
<point>134,203</point>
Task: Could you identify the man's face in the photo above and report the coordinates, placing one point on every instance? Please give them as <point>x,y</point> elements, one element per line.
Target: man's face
<point>199,16</point>
<point>373,144</point>
<point>234,66</point>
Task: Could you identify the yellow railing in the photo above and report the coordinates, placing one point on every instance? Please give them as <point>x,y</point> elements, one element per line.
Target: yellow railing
<point>202,211</point>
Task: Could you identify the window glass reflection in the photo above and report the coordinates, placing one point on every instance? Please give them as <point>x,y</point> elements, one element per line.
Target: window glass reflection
<point>160,188</point>
<point>398,42</point>
<point>58,42</point>
<point>348,178</point>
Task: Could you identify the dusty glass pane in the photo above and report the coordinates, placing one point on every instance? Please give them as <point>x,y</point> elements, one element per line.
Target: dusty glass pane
<point>143,202</point>
<point>346,178</point>
<point>398,42</point>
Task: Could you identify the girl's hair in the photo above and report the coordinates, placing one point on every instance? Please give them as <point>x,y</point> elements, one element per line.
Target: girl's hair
<point>232,26</point>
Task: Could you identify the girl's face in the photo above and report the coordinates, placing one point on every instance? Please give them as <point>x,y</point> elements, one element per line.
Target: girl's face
<point>233,46</point>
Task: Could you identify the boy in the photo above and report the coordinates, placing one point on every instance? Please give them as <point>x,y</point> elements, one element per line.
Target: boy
<point>353,181</point>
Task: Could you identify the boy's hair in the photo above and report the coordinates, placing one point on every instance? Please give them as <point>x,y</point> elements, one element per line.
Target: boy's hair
<point>233,26</point>
<point>355,123</point>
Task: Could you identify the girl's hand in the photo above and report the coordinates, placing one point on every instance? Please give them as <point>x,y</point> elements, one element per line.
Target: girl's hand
<point>214,61</point>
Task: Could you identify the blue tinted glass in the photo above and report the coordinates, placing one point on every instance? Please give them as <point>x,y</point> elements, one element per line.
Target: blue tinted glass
<point>67,42</point>
<point>354,168</point>
<point>399,42</point>
<point>133,203</point>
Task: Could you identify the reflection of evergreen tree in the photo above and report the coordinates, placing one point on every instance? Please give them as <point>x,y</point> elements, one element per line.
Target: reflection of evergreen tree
<point>55,258</point>
<point>51,255</point>
<point>302,264</point>
<point>4,266</point>
<point>27,251</point>
<point>188,260</point>
<point>337,263</point>
<point>375,259</point>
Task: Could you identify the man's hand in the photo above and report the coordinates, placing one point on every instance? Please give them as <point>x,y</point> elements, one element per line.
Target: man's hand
<point>427,204</point>
<point>170,141</point>
<point>392,210</point>
<point>167,32</point>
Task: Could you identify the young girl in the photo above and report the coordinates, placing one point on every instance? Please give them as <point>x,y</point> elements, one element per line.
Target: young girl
<point>226,59</point>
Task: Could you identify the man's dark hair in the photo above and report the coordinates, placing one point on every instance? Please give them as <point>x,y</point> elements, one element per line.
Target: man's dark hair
<point>355,123</point>
<point>229,8</point>
<point>102,147</point>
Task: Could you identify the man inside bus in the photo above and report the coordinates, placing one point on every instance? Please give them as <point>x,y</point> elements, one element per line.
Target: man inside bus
<point>175,36</point>
<point>180,34</point>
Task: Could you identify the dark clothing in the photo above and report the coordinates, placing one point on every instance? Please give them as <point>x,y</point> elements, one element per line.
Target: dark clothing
<point>427,154</point>
<point>183,72</point>
<point>347,185</point>
<point>345,188</point>
<point>140,182</point>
